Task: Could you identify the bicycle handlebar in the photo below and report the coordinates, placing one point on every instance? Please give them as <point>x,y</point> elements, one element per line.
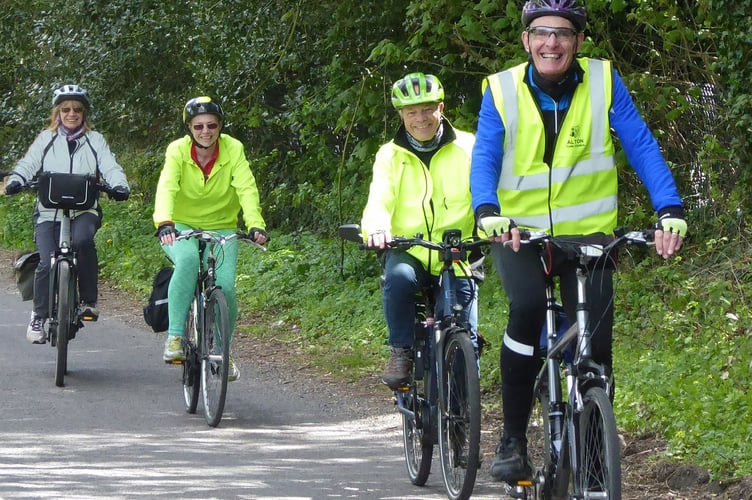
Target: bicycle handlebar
<point>452,248</point>
<point>214,237</point>
<point>583,246</point>
<point>32,184</point>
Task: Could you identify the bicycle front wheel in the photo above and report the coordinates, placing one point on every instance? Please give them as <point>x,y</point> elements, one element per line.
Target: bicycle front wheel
<point>192,364</point>
<point>459,422</point>
<point>215,356</point>
<point>64,317</point>
<point>599,470</point>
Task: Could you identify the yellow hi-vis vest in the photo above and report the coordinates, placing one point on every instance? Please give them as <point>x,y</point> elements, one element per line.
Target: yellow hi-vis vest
<point>577,194</point>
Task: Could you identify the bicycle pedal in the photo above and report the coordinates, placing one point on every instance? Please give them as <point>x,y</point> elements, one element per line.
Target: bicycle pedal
<point>175,362</point>
<point>402,388</point>
<point>89,318</point>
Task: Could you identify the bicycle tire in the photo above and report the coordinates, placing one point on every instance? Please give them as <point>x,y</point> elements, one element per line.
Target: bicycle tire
<point>416,434</point>
<point>191,364</point>
<point>64,318</point>
<point>215,356</point>
<point>599,471</point>
<point>459,421</point>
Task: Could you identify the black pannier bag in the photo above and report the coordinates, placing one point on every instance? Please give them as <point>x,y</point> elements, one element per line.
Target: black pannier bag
<point>24,269</point>
<point>71,191</point>
<point>156,312</point>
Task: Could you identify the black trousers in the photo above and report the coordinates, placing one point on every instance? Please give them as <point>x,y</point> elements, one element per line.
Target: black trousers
<point>46,236</point>
<point>523,278</point>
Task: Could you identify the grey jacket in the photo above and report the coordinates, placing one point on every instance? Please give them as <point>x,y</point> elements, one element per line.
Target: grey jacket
<point>50,152</point>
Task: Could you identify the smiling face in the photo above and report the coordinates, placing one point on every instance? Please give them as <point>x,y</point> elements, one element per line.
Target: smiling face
<point>71,114</point>
<point>552,43</point>
<point>205,129</point>
<point>422,120</point>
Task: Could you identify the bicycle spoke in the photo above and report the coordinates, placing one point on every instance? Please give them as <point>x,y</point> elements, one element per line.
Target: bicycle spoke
<point>215,358</point>
<point>600,474</point>
<point>459,431</point>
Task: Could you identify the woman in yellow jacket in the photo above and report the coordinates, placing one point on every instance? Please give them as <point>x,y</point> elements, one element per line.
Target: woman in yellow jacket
<point>421,184</point>
<point>205,183</point>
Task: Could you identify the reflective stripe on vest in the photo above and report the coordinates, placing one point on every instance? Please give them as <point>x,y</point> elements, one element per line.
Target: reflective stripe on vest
<point>579,194</point>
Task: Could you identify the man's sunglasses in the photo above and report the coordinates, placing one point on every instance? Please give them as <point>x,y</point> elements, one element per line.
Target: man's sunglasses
<point>200,126</point>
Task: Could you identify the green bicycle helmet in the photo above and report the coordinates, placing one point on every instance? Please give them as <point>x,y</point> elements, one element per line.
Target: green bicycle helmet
<point>416,88</point>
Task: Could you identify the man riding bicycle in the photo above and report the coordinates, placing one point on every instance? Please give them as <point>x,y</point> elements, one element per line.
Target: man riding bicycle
<point>544,160</point>
<point>420,185</point>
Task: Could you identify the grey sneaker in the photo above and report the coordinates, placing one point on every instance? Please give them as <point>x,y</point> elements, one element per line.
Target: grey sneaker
<point>397,373</point>
<point>234,373</point>
<point>89,312</point>
<point>173,350</point>
<point>35,331</point>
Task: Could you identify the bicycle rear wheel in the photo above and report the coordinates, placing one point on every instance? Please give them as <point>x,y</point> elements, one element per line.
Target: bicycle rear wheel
<point>64,317</point>
<point>599,471</point>
<point>192,364</point>
<point>459,422</point>
<point>215,356</point>
<point>416,434</point>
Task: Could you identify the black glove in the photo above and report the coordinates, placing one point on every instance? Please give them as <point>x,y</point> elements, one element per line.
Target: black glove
<point>13,187</point>
<point>254,232</point>
<point>119,193</point>
<point>165,229</point>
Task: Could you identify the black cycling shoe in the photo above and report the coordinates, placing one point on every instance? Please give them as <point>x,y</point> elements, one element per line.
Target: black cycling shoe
<point>511,462</point>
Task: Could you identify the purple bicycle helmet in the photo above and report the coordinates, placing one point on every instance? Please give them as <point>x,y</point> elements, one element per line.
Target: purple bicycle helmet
<point>569,9</point>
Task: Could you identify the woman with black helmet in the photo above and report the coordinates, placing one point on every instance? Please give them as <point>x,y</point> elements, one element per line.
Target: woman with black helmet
<point>70,145</point>
<point>544,160</point>
<point>205,183</point>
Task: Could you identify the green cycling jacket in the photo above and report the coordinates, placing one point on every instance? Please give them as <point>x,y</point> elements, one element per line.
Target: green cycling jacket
<point>407,197</point>
<point>183,197</point>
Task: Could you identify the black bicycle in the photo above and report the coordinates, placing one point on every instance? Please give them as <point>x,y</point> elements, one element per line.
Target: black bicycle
<point>581,455</point>
<point>441,404</point>
<point>65,192</point>
<point>206,338</point>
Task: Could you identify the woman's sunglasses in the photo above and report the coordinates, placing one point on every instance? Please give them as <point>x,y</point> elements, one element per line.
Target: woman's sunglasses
<point>200,126</point>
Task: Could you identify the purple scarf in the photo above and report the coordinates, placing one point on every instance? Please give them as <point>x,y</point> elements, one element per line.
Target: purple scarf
<point>71,135</point>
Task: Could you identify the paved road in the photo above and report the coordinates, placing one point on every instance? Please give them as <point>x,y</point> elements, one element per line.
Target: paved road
<point>118,429</point>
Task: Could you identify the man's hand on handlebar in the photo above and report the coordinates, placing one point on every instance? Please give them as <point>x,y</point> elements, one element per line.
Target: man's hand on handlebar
<point>379,239</point>
<point>669,235</point>
<point>500,229</point>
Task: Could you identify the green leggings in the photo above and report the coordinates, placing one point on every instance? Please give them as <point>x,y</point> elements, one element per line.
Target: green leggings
<point>184,254</point>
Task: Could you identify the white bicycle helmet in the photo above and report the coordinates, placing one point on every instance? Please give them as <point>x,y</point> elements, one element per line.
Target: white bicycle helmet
<point>71,93</point>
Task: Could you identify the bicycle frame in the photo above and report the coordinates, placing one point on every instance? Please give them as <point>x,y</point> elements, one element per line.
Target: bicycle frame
<point>569,353</point>
<point>207,334</point>
<point>442,402</point>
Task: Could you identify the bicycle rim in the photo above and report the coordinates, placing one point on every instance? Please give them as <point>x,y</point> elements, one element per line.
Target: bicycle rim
<point>191,365</point>
<point>599,474</point>
<point>416,438</point>
<point>64,316</point>
<point>215,356</point>
<point>459,424</point>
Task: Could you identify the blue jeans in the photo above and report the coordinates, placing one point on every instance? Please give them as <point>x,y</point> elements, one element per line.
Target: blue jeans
<point>404,278</point>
